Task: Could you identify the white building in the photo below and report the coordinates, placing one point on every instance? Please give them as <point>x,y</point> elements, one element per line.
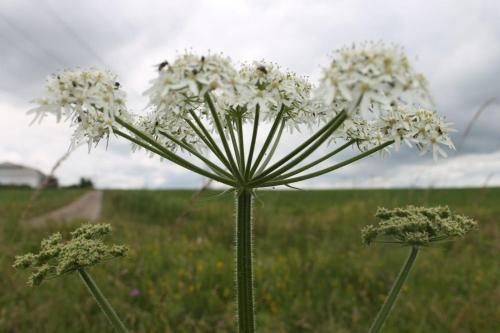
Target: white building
<point>18,175</point>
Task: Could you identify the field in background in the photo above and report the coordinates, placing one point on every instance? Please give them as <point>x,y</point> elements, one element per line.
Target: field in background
<point>313,274</point>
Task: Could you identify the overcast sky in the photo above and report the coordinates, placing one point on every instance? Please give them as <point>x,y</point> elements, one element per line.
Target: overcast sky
<point>456,44</point>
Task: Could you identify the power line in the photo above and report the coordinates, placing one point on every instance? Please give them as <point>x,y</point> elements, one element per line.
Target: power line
<point>123,24</point>
<point>22,50</point>
<point>26,35</point>
<point>83,44</point>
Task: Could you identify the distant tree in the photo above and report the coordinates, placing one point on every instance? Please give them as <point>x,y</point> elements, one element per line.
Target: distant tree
<point>51,181</point>
<point>86,183</point>
<point>13,186</point>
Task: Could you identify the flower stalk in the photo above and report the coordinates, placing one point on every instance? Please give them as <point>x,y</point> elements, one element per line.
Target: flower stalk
<point>414,227</point>
<point>85,248</point>
<point>394,292</point>
<point>106,308</point>
<point>244,261</point>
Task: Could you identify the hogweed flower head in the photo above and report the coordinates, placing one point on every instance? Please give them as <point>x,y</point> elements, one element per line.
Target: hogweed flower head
<point>373,82</point>
<point>390,93</point>
<point>378,72</point>
<point>417,226</point>
<point>57,257</point>
<point>178,92</point>
<point>90,99</point>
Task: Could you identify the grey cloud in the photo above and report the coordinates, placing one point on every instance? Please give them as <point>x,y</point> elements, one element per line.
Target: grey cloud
<point>457,47</point>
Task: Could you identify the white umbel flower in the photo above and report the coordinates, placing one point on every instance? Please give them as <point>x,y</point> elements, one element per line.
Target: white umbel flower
<point>374,72</point>
<point>179,90</point>
<point>90,99</point>
<point>425,129</point>
<point>373,82</point>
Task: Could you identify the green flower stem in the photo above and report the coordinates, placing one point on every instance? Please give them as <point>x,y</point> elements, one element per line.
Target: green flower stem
<point>316,162</point>
<point>194,152</point>
<point>220,130</point>
<point>273,148</point>
<point>172,156</point>
<point>266,144</point>
<point>239,129</point>
<point>244,256</point>
<point>393,294</point>
<point>252,143</point>
<point>321,136</point>
<point>315,145</point>
<point>103,302</point>
<point>165,152</point>
<point>175,159</point>
<point>303,146</point>
<point>205,136</point>
<point>235,145</point>
<point>326,170</point>
<point>145,145</point>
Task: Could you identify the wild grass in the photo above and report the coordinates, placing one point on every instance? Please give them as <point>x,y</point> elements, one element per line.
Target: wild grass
<point>312,272</point>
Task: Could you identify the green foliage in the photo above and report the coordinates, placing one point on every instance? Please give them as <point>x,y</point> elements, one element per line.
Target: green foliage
<point>312,273</point>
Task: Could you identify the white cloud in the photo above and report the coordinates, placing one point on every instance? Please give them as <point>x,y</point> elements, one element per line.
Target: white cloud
<point>464,171</point>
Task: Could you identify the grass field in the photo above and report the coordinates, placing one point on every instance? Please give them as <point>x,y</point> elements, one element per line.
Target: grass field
<point>312,272</point>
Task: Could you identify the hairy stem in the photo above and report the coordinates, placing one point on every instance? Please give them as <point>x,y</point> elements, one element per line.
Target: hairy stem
<point>244,256</point>
<point>393,294</point>
<point>103,302</point>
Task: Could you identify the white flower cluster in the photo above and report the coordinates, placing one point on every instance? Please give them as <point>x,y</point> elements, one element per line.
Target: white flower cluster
<point>178,90</point>
<point>271,89</point>
<point>373,82</point>
<point>156,125</point>
<point>90,99</point>
<point>377,84</point>
<point>180,87</point>
<point>427,130</point>
<point>372,72</point>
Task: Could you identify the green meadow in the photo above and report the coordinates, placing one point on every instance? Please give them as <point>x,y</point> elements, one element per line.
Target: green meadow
<point>312,272</point>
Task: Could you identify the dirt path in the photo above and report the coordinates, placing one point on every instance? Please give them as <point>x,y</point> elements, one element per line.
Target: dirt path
<point>87,207</point>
